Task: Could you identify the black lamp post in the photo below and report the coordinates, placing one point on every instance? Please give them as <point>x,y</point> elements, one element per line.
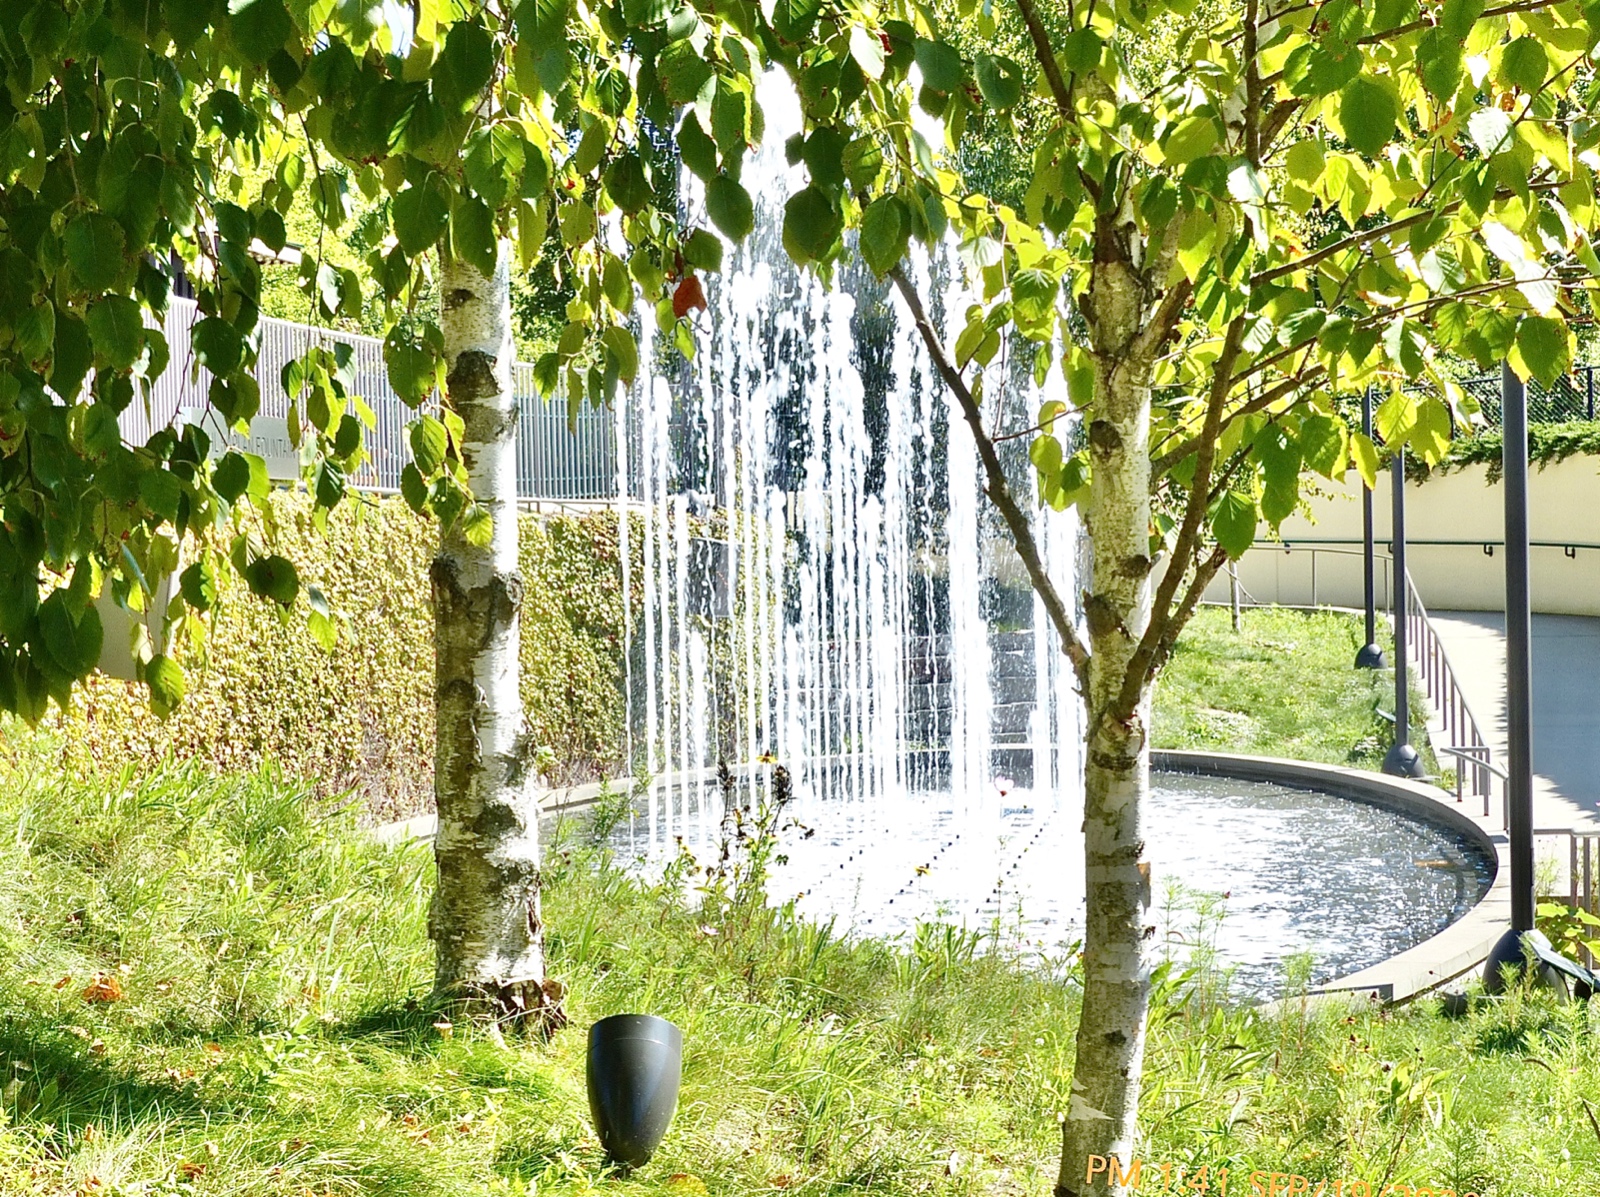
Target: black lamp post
<point>1403,760</point>
<point>1370,656</point>
<point>1521,942</point>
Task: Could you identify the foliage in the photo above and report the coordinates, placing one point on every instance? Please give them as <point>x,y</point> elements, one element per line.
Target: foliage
<point>273,1036</point>
<point>136,135</point>
<point>1282,686</point>
<point>1547,444</point>
<point>1572,930</point>
<point>361,716</point>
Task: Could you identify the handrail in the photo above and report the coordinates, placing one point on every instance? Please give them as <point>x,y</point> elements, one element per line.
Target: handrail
<point>1434,670</point>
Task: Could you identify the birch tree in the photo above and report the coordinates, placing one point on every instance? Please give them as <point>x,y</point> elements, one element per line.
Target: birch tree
<point>1219,242</point>
<point>138,134</point>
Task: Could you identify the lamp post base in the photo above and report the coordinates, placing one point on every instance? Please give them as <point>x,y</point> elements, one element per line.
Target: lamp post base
<point>1371,657</point>
<point>1516,951</point>
<point>1403,761</point>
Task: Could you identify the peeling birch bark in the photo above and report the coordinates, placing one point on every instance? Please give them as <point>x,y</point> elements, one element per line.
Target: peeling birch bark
<point>485,918</point>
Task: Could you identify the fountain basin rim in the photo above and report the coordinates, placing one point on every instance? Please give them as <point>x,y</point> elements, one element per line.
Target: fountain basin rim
<point>1458,949</point>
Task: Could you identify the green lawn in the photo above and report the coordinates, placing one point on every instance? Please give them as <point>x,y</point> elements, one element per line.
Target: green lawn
<point>1283,685</point>
<point>271,1035</point>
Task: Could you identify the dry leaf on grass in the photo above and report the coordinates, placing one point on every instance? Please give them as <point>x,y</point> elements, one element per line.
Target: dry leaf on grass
<point>105,987</point>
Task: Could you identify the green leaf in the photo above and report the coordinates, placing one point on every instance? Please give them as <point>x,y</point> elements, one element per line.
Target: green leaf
<point>1490,130</point>
<point>695,147</point>
<point>627,183</point>
<point>623,350</point>
<point>885,233</point>
<point>231,477</point>
<point>1524,64</point>
<point>1323,443</point>
<point>682,71</point>
<point>1233,523</point>
<point>273,577</point>
<point>465,65</point>
<point>421,214</point>
<point>72,645</point>
<point>1316,70</point>
<point>942,68</point>
<point>703,250</point>
<point>116,328</point>
<point>429,442</point>
<point>413,366</point>
<point>792,20</point>
<point>728,204</point>
<point>811,225</point>
<point>1365,455</point>
<point>1396,417</point>
<point>1080,50</point>
<point>867,51</point>
<point>1430,436</point>
<point>1368,113</point>
<point>94,244</point>
<point>472,234</point>
<point>1439,62</point>
<point>199,584</point>
<point>413,489</point>
<point>164,677</point>
<point>72,355</point>
<point>999,79</point>
<point>217,345</point>
<point>260,27</point>
<point>1458,17</point>
<point>1192,138</point>
<point>1544,346</point>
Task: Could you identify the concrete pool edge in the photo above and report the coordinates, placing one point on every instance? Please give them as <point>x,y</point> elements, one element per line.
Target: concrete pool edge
<point>1460,947</point>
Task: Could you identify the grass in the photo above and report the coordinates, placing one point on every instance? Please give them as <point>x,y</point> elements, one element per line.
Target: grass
<point>1283,685</point>
<point>272,1036</point>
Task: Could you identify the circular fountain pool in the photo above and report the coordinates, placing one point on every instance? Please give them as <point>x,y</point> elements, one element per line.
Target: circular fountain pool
<point>1255,872</point>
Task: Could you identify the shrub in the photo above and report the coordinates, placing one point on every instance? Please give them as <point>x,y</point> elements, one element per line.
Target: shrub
<point>361,717</point>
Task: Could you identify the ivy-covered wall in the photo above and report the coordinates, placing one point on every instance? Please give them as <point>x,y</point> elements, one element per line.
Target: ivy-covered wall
<point>361,717</point>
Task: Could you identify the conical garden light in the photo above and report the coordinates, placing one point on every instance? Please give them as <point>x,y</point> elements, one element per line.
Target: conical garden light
<point>635,1066</point>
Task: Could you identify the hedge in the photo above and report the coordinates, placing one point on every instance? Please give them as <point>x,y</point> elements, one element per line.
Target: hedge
<point>361,717</point>
<point>1547,444</point>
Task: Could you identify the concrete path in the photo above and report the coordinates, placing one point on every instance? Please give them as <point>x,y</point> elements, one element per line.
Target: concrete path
<point>1566,704</point>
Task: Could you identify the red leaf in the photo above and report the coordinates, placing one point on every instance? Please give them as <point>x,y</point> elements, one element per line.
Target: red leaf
<point>688,296</point>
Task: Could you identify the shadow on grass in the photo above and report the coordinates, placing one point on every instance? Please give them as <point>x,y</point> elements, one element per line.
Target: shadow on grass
<point>52,1078</point>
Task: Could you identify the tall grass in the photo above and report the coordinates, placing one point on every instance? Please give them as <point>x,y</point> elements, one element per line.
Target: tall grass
<point>273,1035</point>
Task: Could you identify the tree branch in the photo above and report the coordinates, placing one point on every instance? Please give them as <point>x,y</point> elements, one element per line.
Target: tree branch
<point>1193,523</point>
<point>1047,57</point>
<point>997,488</point>
<point>1203,574</point>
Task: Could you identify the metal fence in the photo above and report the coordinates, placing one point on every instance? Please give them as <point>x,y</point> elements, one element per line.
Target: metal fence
<point>554,461</point>
<point>1570,397</point>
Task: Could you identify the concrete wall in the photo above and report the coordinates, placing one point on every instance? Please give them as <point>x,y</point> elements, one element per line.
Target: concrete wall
<point>1563,507</point>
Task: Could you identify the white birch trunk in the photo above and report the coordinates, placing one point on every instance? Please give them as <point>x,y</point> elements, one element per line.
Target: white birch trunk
<point>1100,1130</point>
<point>485,919</point>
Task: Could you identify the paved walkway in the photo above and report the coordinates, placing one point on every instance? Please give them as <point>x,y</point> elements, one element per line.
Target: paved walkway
<point>1566,703</point>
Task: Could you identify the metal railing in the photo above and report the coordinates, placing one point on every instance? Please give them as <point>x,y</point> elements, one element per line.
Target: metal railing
<point>1464,738</point>
<point>1476,771</point>
<point>554,461</point>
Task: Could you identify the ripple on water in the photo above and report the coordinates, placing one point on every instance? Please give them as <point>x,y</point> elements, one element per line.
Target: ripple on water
<point>1303,872</point>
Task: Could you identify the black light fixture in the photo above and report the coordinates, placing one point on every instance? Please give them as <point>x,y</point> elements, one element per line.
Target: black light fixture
<point>1522,946</point>
<point>1403,760</point>
<point>635,1066</point>
<point>1370,656</point>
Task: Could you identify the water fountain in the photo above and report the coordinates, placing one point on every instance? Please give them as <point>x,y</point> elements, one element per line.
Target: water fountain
<point>826,585</point>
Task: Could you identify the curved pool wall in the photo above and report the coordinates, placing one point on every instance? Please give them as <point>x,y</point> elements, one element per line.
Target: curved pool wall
<point>1457,949</point>
<point>1454,949</point>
